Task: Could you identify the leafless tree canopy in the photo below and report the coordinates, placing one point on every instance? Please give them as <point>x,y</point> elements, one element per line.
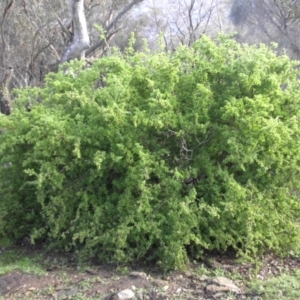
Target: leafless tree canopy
<point>240,10</point>
<point>35,36</point>
<point>268,21</point>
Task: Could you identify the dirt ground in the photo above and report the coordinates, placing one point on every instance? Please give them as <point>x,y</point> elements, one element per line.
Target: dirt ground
<point>62,279</point>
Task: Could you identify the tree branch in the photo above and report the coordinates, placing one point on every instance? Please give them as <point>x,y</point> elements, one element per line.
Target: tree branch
<point>112,24</point>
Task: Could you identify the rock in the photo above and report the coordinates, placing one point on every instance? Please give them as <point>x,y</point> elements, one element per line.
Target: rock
<point>218,295</point>
<point>28,293</point>
<point>204,278</point>
<point>214,288</point>
<point>126,294</point>
<point>140,275</point>
<point>220,285</point>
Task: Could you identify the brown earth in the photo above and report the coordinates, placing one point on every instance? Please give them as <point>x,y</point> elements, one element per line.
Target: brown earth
<point>63,280</point>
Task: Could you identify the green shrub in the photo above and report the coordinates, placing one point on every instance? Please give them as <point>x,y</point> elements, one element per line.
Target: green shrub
<point>153,156</point>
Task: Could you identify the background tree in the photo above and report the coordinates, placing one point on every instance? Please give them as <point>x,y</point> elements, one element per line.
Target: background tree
<point>268,21</point>
<point>36,34</point>
<point>180,22</point>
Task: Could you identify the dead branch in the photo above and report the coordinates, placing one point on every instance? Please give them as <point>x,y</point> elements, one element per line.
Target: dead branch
<point>111,25</point>
<point>39,31</point>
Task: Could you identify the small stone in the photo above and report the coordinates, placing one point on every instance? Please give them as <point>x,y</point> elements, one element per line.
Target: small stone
<point>214,288</point>
<point>218,295</point>
<point>204,278</point>
<point>221,284</point>
<point>178,291</point>
<point>141,275</point>
<point>165,288</point>
<point>126,294</point>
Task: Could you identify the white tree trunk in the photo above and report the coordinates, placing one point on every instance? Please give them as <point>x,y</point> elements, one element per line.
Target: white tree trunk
<point>81,40</point>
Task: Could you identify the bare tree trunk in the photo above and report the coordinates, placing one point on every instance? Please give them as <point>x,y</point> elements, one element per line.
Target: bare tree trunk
<point>5,98</point>
<point>81,39</point>
<point>4,46</point>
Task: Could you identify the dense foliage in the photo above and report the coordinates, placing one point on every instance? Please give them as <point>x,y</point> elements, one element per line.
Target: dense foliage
<point>157,156</point>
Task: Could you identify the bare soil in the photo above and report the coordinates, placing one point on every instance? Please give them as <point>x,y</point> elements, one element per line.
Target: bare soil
<point>63,279</point>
